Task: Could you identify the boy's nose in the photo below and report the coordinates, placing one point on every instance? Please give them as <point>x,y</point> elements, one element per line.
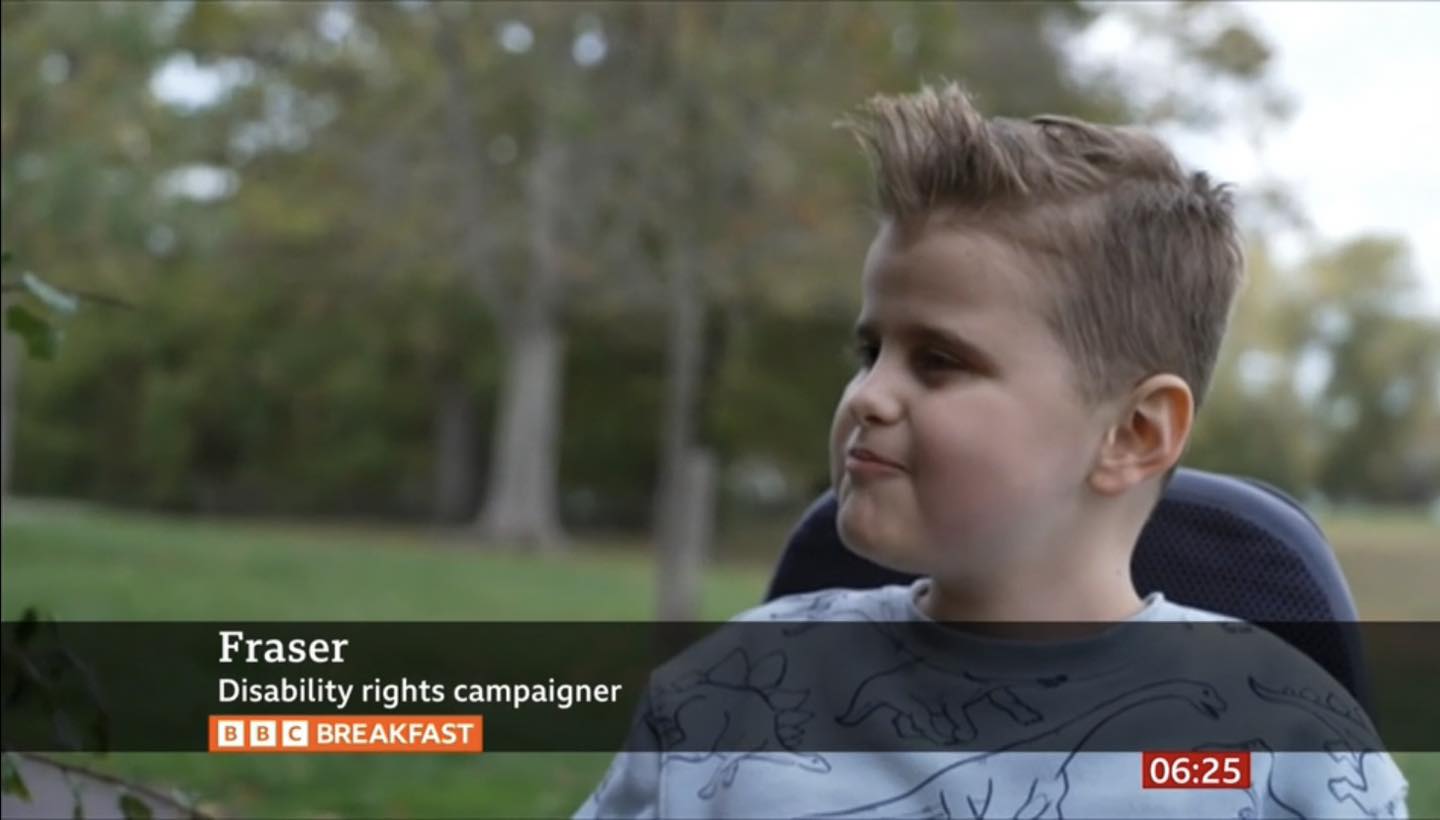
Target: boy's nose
<point>873,399</point>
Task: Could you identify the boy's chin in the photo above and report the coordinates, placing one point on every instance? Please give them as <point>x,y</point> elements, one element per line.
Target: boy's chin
<point>888,549</point>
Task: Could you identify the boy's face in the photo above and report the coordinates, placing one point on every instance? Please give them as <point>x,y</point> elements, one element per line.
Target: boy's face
<point>960,446</point>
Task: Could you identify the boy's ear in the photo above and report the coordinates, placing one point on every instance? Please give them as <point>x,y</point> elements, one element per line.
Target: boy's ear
<point>1147,437</point>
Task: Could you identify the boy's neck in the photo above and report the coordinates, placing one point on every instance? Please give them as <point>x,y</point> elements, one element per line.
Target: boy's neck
<point>1101,591</point>
<point>1076,571</point>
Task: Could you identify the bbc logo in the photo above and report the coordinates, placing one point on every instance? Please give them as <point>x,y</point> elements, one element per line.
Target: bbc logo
<point>347,733</point>
<point>261,733</point>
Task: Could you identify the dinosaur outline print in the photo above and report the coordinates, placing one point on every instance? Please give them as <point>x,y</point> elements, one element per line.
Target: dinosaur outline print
<point>742,687</point>
<point>932,703</point>
<point>1352,742</point>
<point>1046,792</point>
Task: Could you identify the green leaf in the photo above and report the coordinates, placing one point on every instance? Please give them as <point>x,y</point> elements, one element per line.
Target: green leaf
<point>49,295</point>
<point>41,337</point>
<point>78,796</point>
<point>133,808</point>
<point>11,781</point>
<point>5,257</point>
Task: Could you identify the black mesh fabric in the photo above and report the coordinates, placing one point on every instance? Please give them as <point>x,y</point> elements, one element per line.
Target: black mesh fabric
<point>1214,542</point>
<point>1213,559</point>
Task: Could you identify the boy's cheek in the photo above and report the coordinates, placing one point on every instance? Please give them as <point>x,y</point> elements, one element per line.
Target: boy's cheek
<point>840,429</point>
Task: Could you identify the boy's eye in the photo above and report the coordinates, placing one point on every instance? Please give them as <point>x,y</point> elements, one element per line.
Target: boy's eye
<point>865,353</point>
<point>928,361</point>
<point>935,360</point>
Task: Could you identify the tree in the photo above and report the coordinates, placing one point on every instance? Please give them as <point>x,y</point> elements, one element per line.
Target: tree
<point>1384,377</point>
<point>84,149</point>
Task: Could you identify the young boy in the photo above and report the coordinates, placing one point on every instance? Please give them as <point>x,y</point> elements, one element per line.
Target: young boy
<point>1043,306</point>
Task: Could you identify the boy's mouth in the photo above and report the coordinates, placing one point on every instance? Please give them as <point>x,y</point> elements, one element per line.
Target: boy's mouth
<point>861,460</point>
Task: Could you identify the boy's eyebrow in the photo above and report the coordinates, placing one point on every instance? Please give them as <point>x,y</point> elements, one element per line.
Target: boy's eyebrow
<point>868,329</point>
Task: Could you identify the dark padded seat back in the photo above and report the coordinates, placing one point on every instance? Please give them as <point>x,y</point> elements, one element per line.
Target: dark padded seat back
<point>1214,542</point>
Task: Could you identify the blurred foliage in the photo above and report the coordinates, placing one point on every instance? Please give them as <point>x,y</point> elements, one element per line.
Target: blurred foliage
<point>290,246</point>
<point>1327,384</point>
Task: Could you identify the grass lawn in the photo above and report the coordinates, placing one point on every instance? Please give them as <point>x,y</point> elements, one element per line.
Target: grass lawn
<point>80,562</point>
<point>1392,562</point>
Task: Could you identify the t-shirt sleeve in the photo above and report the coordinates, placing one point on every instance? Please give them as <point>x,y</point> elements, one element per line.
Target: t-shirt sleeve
<point>1332,785</point>
<point>1331,761</point>
<point>629,789</point>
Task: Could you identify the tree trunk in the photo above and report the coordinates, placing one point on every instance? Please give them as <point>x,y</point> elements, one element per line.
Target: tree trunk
<point>682,526</point>
<point>691,503</point>
<point>455,465</point>
<point>521,508</point>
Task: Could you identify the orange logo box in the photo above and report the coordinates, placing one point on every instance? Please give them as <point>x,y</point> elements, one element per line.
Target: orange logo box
<point>346,733</point>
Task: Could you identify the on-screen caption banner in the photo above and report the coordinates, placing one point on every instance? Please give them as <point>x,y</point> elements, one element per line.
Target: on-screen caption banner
<point>788,687</point>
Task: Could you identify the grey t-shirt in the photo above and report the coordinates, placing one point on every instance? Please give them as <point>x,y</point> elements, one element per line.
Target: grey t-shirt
<point>991,728</point>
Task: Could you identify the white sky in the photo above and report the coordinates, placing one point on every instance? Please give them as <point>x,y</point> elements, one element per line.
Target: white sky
<point>1360,151</point>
